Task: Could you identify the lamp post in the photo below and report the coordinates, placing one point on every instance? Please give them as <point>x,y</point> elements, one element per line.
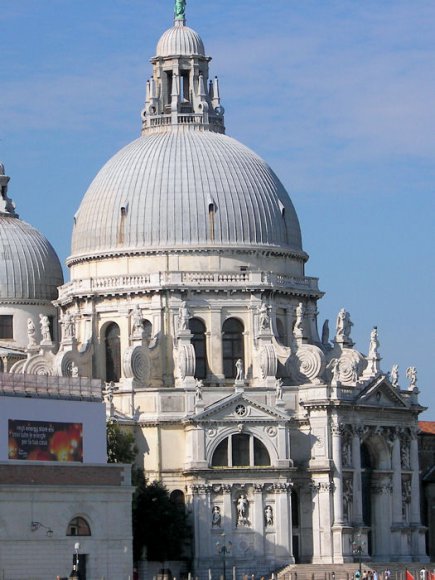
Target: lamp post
<point>357,550</point>
<point>223,548</point>
<point>76,561</point>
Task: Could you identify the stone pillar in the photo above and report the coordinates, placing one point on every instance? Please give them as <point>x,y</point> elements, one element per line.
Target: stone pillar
<point>258,520</point>
<point>214,346</point>
<point>357,485</point>
<point>283,524</point>
<point>337,530</point>
<point>397,516</point>
<point>418,535</point>
<point>322,522</point>
<point>381,524</point>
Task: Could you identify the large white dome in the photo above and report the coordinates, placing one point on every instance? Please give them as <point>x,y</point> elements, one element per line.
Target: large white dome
<point>184,190</point>
<point>29,267</point>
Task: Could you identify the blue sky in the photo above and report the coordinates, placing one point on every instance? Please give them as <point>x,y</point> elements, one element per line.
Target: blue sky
<point>337,96</point>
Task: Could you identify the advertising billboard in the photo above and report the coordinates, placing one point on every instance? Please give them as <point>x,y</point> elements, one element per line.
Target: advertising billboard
<point>45,441</point>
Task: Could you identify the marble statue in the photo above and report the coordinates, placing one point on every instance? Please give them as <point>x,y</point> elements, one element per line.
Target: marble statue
<point>183,317</point>
<point>137,319</point>
<point>216,517</point>
<point>74,371</point>
<point>242,510</point>
<point>394,376</point>
<point>278,390</point>
<point>344,325</point>
<point>68,326</point>
<point>411,375</point>
<point>239,370</point>
<point>263,317</point>
<point>374,343</point>
<point>198,390</point>
<point>45,328</point>
<point>268,515</point>
<point>31,332</point>
<point>299,324</point>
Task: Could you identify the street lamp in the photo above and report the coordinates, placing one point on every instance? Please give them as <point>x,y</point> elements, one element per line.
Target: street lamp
<point>223,548</point>
<point>357,550</point>
<point>34,526</point>
<point>75,571</point>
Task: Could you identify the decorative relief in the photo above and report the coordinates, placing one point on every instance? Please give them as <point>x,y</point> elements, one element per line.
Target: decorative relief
<point>241,410</point>
<point>268,361</point>
<point>382,488</point>
<point>307,364</point>
<point>201,489</point>
<point>271,431</point>
<point>347,498</point>
<point>186,361</point>
<point>322,486</point>
<point>346,448</point>
<point>137,364</point>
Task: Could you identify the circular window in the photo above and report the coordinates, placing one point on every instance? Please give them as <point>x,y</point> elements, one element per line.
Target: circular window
<point>241,410</point>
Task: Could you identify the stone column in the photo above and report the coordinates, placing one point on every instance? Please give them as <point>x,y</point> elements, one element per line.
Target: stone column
<point>381,524</point>
<point>337,529</point>
<point>283,524</point>
<point>322,522</point>
<point>257,516</point>
<point>357,485</point>
<point>214,345</point>
<point>397,496</point>
<point>418,535</point>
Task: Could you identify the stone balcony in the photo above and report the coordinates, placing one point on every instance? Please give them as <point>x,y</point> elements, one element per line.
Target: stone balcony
<point>131,284</point>
<point>50,387</point>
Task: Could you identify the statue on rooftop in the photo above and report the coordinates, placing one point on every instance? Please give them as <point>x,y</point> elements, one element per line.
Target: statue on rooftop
<point>180,9</point>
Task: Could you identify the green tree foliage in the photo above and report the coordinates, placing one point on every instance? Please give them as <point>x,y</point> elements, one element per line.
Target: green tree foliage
<point>120,444</point>
<point>159,524</point>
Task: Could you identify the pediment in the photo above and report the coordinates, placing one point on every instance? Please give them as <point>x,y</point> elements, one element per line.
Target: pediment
<point>381,393</point>
<point>239,407</point>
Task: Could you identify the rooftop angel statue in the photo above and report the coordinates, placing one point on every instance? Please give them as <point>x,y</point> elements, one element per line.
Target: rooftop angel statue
<point>180,9</point>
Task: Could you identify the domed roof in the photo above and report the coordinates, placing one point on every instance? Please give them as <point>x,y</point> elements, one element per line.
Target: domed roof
<point>184,190</point>
<point>29,267</point>
<point>180,40</point>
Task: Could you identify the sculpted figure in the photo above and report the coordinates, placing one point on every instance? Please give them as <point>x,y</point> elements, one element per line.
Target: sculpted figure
<point>180,9</point>
<point>394,376</point>
<point>334,365</point>
<point>45,328</point>
<point>198,390</point>
<point>344,324</point>
<point>242,510</point>
<point>278,390</point>
<point>216,517</point>
<point>183,317</point>
<point>31,332</point>
<point>68,325</point>
<point>268,515</point>
<point>74,370</point>
<point>299,324</point>
<point>263,317</point>
<point>411,375</point>
<point>239,370</point>
<point>136,315</point>
<point>374,343</point>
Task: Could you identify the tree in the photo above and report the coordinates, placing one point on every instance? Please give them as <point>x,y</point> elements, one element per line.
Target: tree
<point>121,447</point>
<point>159,524</point>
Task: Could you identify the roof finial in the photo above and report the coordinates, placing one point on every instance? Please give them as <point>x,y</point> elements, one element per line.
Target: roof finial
<point>180,11</point>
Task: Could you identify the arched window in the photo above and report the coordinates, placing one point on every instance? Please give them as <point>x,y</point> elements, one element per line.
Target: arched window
<point>177,498</point>
<point>113,353</point>
<point>78,527</point>
<point>147,328</point>
<point>241,450</point>
<point>282,334</point>
<point>197,328</point>
<point>232,346</point>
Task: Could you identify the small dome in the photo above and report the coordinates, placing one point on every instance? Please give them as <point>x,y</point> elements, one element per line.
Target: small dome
<point>180,40</point>
<point>29,266</point>
<point>161,191</point>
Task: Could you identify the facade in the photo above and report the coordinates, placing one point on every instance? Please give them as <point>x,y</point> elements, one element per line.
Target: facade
<point>427,466</point>
<point>56,489</point>
<point>188,298</point>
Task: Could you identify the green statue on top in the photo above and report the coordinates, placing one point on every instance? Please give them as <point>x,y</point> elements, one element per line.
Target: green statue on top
<point>180,9</point>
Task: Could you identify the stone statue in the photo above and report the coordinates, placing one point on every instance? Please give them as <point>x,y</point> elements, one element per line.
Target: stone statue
<point>74,370</point>
<point>325,333</point>
<point>239,370</point>
<point>198,390</point>
<point>344,325</point>
<point>299,323</point>
<point>334,365</point>
<point>68,326</point>
<point>180,9</point>
<point>31,332</point>
<point>242,510</point>
<point>411,375</point>
<point>137,320</point>
<point>394,376</point>
<point>278,390</point>
<point>183,317</point>
<point>45,328</point>
<point>374,343</point>
<point>216,517</point>
<point>268,515</point>
<point>263,317</point>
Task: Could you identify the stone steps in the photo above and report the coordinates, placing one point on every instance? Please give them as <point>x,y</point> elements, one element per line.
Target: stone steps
<point>347,571</point>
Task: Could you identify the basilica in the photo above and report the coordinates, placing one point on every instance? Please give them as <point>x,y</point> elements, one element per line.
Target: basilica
<point>188,299</point>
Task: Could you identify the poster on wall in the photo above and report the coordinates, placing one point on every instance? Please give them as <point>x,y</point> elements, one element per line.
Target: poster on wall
<point>45,441</point>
